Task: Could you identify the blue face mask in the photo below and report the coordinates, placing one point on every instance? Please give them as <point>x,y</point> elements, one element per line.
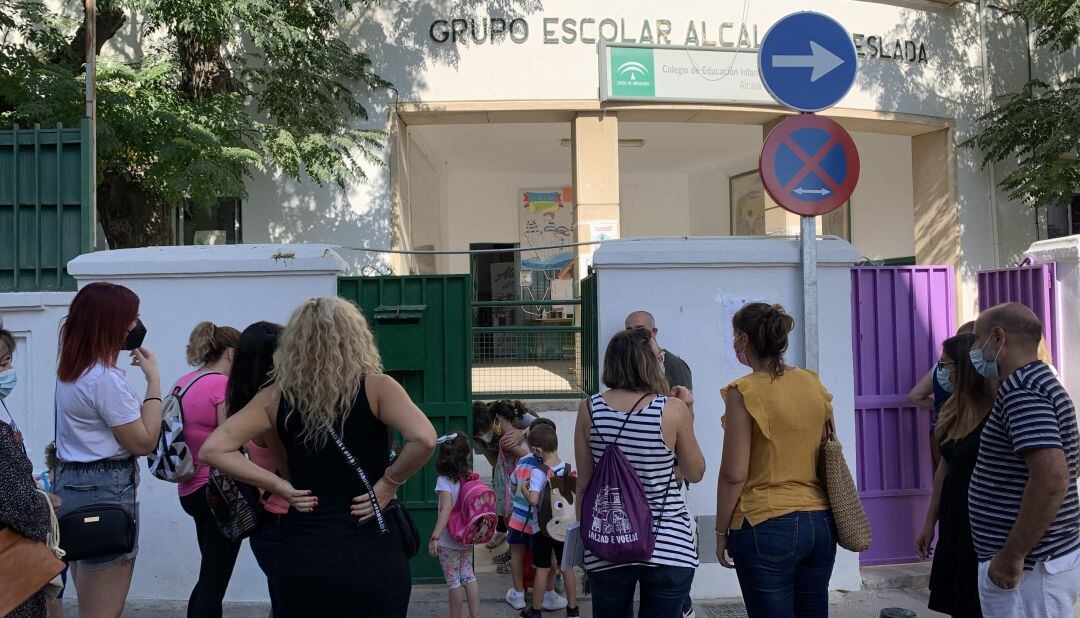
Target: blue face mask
<point>941,374</point>
<point>986,368</point>
<point>7,382</point>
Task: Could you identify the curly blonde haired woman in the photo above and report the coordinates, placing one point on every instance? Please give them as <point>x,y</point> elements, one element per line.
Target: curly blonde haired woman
<point>335,558</point>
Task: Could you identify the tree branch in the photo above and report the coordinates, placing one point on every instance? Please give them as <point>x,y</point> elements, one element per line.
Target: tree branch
<point>109,21</point>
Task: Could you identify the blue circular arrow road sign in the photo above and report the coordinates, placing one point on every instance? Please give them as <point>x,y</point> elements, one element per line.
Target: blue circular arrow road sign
<point>807,61</point>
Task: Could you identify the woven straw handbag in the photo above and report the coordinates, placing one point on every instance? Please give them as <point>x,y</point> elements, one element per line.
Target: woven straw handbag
<point>852,527</point>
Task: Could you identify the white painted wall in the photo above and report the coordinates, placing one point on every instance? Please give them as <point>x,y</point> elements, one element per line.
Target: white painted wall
<point>883,206</point>
<point>482,207</point>
<point>34,318</point>
<point>1065,252</point>
<point>654,205</point>
<point>178,287</point>
<point>699,273</point>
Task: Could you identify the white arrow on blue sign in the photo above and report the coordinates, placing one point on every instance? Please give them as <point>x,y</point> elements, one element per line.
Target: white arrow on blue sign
<point>807,61</point>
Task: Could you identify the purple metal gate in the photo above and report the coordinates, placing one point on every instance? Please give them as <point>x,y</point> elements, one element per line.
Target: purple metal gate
<point>1032,285</point>
<point>900,316</point>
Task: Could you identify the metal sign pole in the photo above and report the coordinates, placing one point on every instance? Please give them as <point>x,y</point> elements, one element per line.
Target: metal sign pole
<point>90,10</point>
<point>808,245</point>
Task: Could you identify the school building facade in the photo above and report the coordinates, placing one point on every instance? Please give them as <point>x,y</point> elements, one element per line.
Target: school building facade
<point>499,136</point>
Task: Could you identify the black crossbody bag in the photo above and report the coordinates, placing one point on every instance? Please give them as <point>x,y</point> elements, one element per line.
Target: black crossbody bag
<point>95,530</point>
<point>395,510</point>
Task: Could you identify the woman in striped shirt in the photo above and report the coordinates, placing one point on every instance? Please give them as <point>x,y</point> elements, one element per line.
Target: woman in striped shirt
<point>653,431</point>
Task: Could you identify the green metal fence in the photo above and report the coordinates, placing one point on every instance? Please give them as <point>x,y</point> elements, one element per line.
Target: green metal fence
<point>45,212</point>
<point>421,324</point>
<point>535,349</point>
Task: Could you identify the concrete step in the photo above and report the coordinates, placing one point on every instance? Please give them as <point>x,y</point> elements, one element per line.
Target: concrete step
<point>896,576</point>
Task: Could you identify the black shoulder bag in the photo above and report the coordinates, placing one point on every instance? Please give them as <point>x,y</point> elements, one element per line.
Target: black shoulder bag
<point>395,510</point>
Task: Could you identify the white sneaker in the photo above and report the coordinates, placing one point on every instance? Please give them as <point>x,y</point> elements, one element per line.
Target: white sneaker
<point>690,613</point>
<point>552,601</point>
<point>516,599</point>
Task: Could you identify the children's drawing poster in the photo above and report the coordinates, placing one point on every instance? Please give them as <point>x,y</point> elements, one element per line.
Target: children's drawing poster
<point>547,220</point>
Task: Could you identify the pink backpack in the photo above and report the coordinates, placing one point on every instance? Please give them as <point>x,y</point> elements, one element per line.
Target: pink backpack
<point>473,519</point>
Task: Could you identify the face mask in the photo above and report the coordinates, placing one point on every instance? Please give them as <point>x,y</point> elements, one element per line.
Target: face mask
<point>487,437</point>
<point>135,338</point>
<point>741,356</point>
<point>497,429</point>
<point>986,368</point>
<point>7,382</point>
<point>942,375</point>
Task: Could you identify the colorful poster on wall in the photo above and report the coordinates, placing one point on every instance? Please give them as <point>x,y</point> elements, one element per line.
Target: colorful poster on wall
<point>547,220</point>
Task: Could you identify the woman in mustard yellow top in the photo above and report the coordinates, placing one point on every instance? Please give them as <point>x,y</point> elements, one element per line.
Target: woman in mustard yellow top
<point>772,514</point>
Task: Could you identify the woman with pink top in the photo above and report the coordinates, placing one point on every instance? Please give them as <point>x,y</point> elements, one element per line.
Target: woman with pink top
<point>251,372</point>
<point>211,348</point>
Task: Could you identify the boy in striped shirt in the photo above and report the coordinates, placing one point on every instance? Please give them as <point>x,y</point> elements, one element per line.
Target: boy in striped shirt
<point>522,526</point>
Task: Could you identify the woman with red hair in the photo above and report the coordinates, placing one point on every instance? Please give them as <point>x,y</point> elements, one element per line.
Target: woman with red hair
<point>101,427</point>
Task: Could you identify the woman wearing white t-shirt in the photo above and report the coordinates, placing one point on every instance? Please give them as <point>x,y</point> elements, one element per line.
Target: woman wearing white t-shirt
<point>101,427</point>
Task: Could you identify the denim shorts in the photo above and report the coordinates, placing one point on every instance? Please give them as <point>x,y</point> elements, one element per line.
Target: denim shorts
<point>517,537</point>
<point>107,482</point>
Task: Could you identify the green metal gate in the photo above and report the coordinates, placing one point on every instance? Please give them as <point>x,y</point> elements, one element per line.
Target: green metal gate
<point>423,328</point>
<point>45,218</point>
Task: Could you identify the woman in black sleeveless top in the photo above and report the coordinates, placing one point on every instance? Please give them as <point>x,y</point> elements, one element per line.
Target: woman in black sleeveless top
<point>954,585</point>
<point>333,559</point>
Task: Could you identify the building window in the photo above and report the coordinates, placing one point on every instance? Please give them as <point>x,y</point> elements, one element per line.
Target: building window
<point>199,226</point>
<point>1063,218</point>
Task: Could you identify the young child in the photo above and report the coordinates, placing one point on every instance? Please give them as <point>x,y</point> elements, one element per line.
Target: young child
<point>454,467</point>
<point>512,418</point>
<point>543,441</point>
<point>48,481</point>
<point>487,445</point>
<point>523,526</point>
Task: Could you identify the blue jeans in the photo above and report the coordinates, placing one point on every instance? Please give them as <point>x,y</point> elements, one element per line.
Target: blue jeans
<point>663,590</point>
<point>784,564</point>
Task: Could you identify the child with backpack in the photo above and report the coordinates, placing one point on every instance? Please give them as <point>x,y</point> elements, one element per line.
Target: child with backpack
<point>466,518</point>
<point>551,491</point>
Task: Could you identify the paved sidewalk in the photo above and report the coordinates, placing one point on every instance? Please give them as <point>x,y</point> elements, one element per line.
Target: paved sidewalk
<point>865,604</point>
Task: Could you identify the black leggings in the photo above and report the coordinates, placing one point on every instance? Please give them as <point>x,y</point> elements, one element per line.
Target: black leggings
<point>218,558</point>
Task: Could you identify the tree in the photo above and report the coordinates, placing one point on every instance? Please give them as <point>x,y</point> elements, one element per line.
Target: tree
<point>233,86</point>
<point>1040,125</point>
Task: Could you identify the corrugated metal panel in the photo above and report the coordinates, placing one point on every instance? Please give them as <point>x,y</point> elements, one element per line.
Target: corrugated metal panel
<point>44,217</point>
<point>1035,287</point>
<point>423,327</point>
<point>900,317</point>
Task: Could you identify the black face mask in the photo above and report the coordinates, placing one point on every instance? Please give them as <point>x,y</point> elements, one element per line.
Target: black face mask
<point>135,338</point>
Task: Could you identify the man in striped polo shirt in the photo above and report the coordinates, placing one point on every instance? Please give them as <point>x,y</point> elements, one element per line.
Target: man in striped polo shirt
<point>1025,514</point>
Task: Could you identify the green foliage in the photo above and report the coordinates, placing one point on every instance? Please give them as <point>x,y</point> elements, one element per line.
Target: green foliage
<point>1056,23</point>
<point>292,99</point>
<point>1039,126</point>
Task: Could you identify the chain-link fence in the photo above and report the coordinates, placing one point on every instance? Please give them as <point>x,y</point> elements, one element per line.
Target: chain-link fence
<point>528,349</point>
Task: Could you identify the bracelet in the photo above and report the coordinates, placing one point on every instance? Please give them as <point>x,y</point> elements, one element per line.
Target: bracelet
<point>721,532</point>
<point>392,481</point>
<point>157,399</point>
<point>434,538</point>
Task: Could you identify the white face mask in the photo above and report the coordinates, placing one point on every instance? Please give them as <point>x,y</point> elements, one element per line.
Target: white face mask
<point>487,437</point>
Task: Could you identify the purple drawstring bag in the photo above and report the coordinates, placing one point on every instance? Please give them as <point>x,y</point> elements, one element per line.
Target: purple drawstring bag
<point>616,520</point>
